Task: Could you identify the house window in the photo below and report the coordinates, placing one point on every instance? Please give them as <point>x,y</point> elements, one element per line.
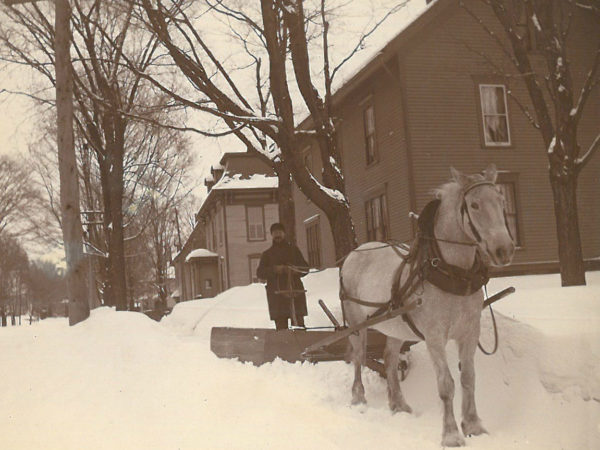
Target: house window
<point>208,284</point>
<point>213,235</point>
<point>253,261</point>
<point>220,227</point>
<point>255,219</point>
<point>508,188</point>
<point>377,219</point>
<point>369,127</point>
<point>313,243</point>
<point>494,111</point>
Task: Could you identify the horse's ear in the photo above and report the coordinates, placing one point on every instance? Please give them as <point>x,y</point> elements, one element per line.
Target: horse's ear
<point>491,173</point>
<point>460,178</point>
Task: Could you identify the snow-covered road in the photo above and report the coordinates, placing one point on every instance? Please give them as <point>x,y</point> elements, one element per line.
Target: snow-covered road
<point>122,381</point>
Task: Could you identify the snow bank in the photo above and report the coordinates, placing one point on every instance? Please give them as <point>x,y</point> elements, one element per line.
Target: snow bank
<point>121,381</point>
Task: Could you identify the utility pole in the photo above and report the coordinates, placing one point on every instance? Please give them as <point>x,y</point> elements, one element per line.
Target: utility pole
<point>67,163</point>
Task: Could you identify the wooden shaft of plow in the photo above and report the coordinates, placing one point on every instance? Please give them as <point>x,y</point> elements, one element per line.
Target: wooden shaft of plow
<point>329,314</point>
<point>355,328</point>
<point>500,295</point>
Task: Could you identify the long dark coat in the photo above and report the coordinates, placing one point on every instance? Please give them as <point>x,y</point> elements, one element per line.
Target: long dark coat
<point>288,255</point>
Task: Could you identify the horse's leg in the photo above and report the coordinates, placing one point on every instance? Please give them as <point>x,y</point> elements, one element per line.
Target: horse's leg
<point>450,434</point>
<point>391,357</point>
<point>471,423</point>
<point>359,353</point>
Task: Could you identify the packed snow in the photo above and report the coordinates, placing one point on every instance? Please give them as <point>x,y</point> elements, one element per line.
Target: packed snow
<point>122,381</point>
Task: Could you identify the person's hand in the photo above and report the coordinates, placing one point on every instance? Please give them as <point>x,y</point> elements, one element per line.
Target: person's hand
<point>280,269</point>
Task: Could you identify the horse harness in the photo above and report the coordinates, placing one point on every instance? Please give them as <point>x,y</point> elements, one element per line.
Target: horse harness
<point>426,263</point>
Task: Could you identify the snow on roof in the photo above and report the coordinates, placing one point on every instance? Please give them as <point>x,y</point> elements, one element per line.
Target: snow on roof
<point>200,253</point>
<point>370,49</point>
<point>379,40</point>
<point>253,181</point>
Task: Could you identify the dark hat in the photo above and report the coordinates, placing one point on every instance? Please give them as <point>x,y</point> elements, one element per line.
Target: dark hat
<point>277,226</point>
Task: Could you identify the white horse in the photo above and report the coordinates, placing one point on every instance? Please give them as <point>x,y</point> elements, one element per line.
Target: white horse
<point>469,221</point>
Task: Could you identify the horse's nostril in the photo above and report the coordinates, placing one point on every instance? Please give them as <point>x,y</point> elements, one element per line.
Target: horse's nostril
<point>500,254</point>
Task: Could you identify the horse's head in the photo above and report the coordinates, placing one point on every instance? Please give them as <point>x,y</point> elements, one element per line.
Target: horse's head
<point>483,215</point>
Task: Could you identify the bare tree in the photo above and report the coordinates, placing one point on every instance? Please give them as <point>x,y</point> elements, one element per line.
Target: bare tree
<point>269,127</point>
<point>13,268</point>
<point>18,196</point>
<point>107,98</point>
<point>558,105</point>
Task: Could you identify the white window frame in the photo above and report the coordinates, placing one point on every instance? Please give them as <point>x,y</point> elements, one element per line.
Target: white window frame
<point>253,262</point>
<point>374,158</point>
<point>314,223</point>
<point>383,216</point>
<point>256,236</point>
<point>511,179</point>
<point>483,116</point>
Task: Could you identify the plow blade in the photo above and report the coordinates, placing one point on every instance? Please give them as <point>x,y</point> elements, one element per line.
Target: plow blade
<point>262,345</point>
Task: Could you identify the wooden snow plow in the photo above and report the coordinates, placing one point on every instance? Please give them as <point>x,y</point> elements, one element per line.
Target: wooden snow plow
<point>263,345</point>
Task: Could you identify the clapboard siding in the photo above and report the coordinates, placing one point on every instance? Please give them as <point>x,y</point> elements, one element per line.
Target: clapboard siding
<point>389,172</point>
<point>239,247</point>
<point>428,119</point>
<point>441,74</point>
<point>306,210</point>
<point>583,41</point>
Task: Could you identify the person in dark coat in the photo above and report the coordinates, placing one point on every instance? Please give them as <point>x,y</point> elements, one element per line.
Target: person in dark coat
<point>277,263</point>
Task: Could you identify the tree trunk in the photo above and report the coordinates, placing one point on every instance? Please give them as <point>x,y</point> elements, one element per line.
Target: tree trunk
<point>564,189</point>
<point>116,241</point>
<point>342,228</point>
<point>111,179</point>
<point>287,209</point>
<point>67,166</point>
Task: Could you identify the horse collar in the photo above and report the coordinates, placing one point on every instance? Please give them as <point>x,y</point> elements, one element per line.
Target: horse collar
<point>437,271</point>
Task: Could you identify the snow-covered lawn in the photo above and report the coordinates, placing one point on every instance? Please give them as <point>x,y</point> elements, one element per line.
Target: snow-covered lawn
<point>122,381</point>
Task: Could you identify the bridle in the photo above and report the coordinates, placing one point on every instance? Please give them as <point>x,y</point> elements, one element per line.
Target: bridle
<point>464,210</point>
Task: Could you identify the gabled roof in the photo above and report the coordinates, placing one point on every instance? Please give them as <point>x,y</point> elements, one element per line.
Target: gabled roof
<point>409,22</point>
<point>366,63</point>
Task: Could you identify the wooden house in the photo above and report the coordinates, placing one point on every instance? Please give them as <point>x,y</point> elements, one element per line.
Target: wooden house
<point>234,220</point>
<point>430,100</point>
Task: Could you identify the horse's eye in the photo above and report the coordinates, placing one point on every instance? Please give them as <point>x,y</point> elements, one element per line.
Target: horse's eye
<point>475,205</point>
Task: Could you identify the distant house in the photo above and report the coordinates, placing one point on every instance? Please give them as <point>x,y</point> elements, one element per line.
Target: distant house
<point>233,220</point>
<point>428,101</point>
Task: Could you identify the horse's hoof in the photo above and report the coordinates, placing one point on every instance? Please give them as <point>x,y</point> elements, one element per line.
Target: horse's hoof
<point>473,428</point>
<point>453,440</point>
<point>399,407</point>
<point>359,400</point>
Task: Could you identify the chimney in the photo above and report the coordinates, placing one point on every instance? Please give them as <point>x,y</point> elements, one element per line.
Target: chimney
<point>209,182</point>
<point>217,172</point>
